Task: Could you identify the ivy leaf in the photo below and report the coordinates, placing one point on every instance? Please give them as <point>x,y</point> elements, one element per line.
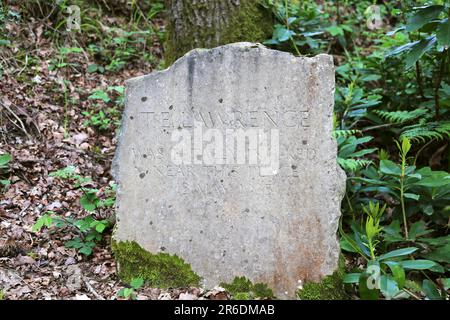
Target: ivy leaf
<point>423,16</point>
<point>443,32</point>
<point>418,50</point>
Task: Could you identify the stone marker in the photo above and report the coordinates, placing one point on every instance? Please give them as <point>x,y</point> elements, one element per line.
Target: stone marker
<point>226,167</point>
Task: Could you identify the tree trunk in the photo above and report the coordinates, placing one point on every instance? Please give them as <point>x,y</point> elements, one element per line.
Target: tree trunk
<point>210,23</point>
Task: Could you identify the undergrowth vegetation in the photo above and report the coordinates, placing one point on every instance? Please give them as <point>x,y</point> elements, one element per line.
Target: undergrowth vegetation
<point>392,125</point>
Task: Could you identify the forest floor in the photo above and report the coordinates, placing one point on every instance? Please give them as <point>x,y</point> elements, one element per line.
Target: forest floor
<point>43,128</point>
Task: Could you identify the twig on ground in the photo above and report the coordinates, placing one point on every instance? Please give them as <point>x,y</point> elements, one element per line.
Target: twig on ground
<point>92,290</point>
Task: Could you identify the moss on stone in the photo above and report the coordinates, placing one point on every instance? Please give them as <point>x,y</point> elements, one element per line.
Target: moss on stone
<point>160,270</point>
<point>330,288</point>
<point>250,22</point>
<point>243,289</point>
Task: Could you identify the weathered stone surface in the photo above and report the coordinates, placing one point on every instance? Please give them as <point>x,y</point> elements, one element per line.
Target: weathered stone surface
<point>272,219</point>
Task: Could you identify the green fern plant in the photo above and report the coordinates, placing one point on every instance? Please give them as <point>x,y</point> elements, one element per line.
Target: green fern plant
<point>349,157</point>
<point>402,116</point>
<point>427,131</point>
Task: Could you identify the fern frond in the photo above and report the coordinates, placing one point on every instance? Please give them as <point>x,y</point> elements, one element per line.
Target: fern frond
<point>345,133</point>
<point>353,164</point>
<point>402,116</point>
<point>427,131</point>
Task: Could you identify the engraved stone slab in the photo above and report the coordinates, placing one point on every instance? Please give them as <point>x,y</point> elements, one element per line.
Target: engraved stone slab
<point>226,159</point>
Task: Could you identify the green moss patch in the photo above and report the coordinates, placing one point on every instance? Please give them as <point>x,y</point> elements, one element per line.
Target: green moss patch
<point>243,289</point>
<point>160,270</point>
<point>250,22</point>
<point>330,288</point>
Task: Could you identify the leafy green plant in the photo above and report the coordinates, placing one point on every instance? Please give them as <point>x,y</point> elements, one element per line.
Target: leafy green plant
<point>385,273</point>
<point>129,293</point>
<point>90,229</point>
<point>104,119</point>
<point>349,158</point>
<point>299,26</point>
<point>417,190</point>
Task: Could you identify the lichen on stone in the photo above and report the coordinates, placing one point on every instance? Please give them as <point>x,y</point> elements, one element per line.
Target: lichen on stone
<point>161,270</point>
<point>329,288</point>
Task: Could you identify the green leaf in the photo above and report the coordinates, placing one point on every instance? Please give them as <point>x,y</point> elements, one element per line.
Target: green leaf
<point>100,227</point>
<point>418,50</point>
<point>335,31</point>
<point>417,264</point>
<point>401,49</point>
<point>397,253</point>
<point>45,220</point>
<point>282,34</point>
<point>446,283</point>
<point>4,42</point>
<point>345,245</point>
<point>4,159</point>
<point>441,254</point>
<point>390,168</point>
<point>351,278</point>
<point>92,68</point>
<point>67,50</point>
<point>86,250</point>
<point>121,292</point>
<point>388,287</point>
<point>89,201</point>
<point>443,32</point>
<point>430,290</point>
<point>128,292</point>
<point>136,283</point>
<point>399,274</point>
<point>411,196</point>
<point>75,243</point>
<point>423,16</point>
<point>418,229</point>
<point>100,95</point>
<point>364,292</point>
<point>406,146</point>
<point>434,181</point>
